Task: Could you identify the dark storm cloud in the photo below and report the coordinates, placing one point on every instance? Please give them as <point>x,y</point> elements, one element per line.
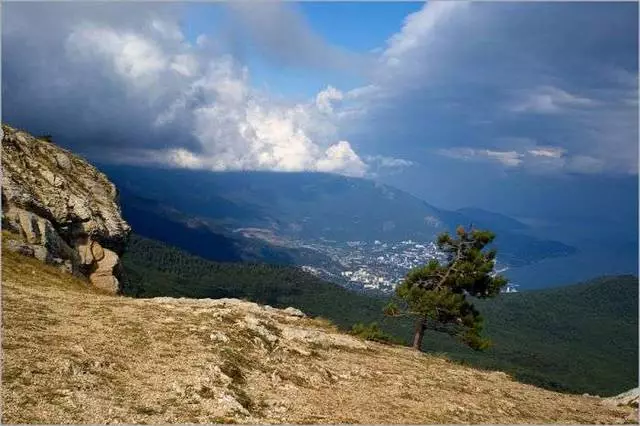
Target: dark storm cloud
<point>482,75</point>
<point>49,89</point>
<point>120,83</point>
<point>528,108</point>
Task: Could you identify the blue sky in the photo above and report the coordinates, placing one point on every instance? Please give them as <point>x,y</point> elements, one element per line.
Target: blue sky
<point>354,26</point>
<point>526,108</point>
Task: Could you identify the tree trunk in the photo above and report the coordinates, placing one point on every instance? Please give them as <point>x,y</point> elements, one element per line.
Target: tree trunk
<point>421,325</point>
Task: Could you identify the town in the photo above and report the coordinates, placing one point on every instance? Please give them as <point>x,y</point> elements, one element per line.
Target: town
<point>379,266</point>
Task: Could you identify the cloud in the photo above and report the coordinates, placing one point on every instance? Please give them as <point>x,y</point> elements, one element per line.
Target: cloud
<point>470,81</point>
<point>280,32</point>
<point>136,91</point>
<point>380,165</point>
<point>325,98</point>
<point>134,58</point>
<point>539,159</point>
<point>389,162</point>
<point>549,100</point>
<point>419,28</point>
<point>547,152</point>
<point>458,77</point>
<point>506,158</point>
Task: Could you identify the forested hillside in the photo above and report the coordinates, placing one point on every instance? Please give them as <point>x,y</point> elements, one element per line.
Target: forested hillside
<point>579,338</point>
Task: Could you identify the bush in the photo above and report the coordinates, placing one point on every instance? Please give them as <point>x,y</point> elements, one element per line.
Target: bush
<point>374,333</point>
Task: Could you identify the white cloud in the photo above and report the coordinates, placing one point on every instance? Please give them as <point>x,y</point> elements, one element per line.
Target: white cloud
<point>167,30</point>
<point>239,128</point>
<point>506,158</point>
<point>132,56</point>
<point>549,100</point>
<point>380,165</point>
<point>340,157</point>
<point>185,65</point>
<point>419,28</point>
<point>326,97</point>
<point>210,97</point>
<point>548,152</point>
<point>389,162</point>
<point>537,160</point>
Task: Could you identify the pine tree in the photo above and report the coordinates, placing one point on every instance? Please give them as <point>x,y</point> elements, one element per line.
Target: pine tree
<point>438,294</point>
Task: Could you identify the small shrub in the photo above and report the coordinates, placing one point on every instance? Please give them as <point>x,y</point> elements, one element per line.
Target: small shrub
<point>373,332</point>
<point>233,371</point>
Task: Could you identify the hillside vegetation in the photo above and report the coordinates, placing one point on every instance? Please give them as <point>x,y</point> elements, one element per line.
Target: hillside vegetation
<point>73,355</point>
<point>579,338</point>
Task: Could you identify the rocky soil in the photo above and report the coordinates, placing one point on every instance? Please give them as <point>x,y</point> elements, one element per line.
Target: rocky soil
<point>73,354</point>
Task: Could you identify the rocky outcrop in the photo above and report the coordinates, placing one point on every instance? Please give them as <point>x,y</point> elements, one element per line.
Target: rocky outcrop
<point>629,398</point>
<point>65,210</point>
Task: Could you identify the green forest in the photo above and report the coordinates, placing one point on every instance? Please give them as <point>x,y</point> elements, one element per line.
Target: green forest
<point>548,338</point>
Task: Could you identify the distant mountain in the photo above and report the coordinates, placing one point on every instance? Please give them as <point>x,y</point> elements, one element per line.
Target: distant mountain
<point>303,207</point>
<point>203,238</point>
<point>493,220</point>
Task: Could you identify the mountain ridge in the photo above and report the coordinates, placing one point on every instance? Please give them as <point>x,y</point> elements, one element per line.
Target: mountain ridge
<point>311,210</point>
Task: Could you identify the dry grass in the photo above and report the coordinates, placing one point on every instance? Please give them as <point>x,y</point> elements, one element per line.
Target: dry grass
<point>73,355</point>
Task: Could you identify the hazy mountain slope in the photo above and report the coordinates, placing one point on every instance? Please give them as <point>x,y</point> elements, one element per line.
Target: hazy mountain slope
<point>493,220</point>
<point>71,355</point>
<point>309,205</point>
<point>203,238</point>
<point>548,337</point>
<point>313,206</point>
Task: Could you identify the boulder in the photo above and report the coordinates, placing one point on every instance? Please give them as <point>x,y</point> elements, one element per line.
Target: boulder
<point>629,398</point>
<point>291,311</point>
<point>107,272</point>
<point>39,234</point>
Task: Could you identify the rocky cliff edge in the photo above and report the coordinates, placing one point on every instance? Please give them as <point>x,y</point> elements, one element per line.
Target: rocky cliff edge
<point>65,210</point>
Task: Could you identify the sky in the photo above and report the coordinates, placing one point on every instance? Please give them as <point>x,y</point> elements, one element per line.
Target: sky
<point>528,109</point>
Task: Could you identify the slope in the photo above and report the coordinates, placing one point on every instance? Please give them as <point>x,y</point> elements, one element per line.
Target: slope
<point>549,337</point>
<point>72,355</point>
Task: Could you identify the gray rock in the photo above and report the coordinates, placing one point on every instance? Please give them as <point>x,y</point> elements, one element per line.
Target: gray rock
<point>629,398</point>
<point>294,312</point>
<point>58,202</point>
<point>20,248</point>
<point>63,161</point>
<point>42,254</point>
<point>61,190</point>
